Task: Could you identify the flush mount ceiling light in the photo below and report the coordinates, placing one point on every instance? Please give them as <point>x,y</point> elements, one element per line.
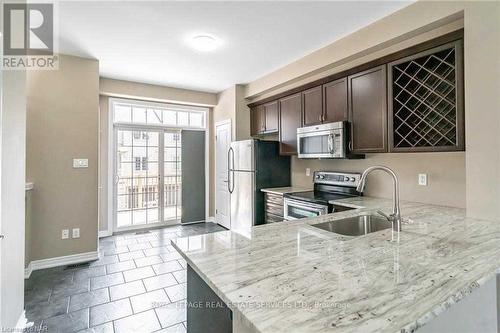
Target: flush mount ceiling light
<point>204,43</point>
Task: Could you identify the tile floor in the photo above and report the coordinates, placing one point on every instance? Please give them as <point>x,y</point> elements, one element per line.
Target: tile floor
<point>137,285</point>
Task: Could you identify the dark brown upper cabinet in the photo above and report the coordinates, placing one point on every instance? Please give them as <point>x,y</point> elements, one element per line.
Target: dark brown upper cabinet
<point>426,101</point>
<point>257,120</point>
<point>290,111</point>
<point>335,101</point>
<point>312,100</point>
<point>271,113</point>
<point>264,119</point>
<point>368,110</point>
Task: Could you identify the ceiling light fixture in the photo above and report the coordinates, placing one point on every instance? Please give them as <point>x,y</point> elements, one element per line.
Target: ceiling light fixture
<point>204,43</point>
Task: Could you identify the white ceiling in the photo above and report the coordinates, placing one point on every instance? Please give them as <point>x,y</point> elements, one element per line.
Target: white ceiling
<point>145,41</point>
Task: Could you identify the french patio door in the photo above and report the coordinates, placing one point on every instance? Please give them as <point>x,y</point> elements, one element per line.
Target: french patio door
<point>147,177</point>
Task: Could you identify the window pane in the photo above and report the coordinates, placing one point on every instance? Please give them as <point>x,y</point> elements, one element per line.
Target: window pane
<point>122,113</point>
<point>196,119</point>
<point>139,115</point>
<point>154,116</point>
<point>182,118</point>
<point>169,117</point>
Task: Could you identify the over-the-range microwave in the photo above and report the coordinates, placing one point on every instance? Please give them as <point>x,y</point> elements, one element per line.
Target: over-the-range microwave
<point>324,141</point>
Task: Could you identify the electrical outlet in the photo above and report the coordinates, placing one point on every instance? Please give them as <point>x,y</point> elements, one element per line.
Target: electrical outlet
<point>80,163</point>
<point>422,179</point>
<point>65,234</point>
<point>76,233</point>
<point>308,172</point>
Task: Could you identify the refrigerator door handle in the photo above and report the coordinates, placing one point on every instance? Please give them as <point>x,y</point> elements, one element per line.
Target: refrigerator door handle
<point>230,158</point>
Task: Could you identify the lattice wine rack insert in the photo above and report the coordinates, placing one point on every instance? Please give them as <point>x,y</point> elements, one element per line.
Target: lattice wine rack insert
<point>424,101</point>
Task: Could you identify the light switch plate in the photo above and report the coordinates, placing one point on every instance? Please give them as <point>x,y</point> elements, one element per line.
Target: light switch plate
<point>76,233</point>
<point>80,163</point>
<point>65,234</point>
<point>308,171</point>
<point>422,179</point>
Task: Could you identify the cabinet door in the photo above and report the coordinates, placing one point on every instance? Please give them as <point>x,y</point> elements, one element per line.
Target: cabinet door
<point>290,119</point>
<point>425,93</point>
<point>335,101</point>
<point>271,114</point>
<point>368,110</point>
<point>312,100</point>
<point>257,119</point>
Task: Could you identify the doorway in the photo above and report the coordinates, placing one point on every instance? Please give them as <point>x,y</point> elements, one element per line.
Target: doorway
<point>146,151</point>
<point>147,177</point>
<point>223,138</point>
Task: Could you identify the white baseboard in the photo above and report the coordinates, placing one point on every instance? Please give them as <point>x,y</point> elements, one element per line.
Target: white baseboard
<point>22,322</point>
<point>211,219</point>
<point>27,271</point>
<point>105,233</point>
<point>60,261</point>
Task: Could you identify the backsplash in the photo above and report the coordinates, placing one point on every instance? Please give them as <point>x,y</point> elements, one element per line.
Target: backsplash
<point>445,175</point>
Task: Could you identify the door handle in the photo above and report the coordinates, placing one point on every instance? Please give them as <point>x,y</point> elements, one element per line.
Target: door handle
<point>230,157</point>
<point>117,179</point>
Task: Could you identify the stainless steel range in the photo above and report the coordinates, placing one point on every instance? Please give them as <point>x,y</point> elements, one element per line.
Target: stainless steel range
<point>327,186</point>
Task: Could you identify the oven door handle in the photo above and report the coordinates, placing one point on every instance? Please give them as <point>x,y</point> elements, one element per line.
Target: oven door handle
<point>321,209</point>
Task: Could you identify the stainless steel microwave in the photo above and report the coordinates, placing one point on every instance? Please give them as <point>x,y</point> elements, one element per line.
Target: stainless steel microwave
<point>323,141</point>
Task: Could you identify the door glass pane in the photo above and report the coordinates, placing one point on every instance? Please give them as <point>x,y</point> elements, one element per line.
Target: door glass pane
<point>137,157</point>
<point>172,180</point>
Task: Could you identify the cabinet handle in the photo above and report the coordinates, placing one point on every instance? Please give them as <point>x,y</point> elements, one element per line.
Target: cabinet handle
<point>320,118</point>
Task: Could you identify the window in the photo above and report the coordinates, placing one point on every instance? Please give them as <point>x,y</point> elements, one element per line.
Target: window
<point>148,113</point>
<point>141,163</point>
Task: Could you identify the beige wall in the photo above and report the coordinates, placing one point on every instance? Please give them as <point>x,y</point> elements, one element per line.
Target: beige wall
<point>62,124</point>
<point>103,162</point>
<point>127,89</point>
<point>12,180</point>
<point>414,24</point>
<point>445,172</point>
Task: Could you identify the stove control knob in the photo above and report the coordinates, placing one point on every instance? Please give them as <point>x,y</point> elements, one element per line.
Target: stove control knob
<point>353,179</point>
<point>346,179</point>
<point>321,177</point>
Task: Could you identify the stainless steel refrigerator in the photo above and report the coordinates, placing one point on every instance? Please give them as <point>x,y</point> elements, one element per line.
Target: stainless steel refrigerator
<point>252,166</point>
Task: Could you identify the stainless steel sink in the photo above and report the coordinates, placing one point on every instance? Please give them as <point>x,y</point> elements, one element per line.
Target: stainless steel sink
<point>356,225</point>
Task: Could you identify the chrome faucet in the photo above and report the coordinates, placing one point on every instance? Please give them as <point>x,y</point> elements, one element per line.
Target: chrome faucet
<point>395,217</point>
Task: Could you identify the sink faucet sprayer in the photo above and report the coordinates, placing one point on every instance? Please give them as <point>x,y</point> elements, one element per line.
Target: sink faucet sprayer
<point>395,217</point>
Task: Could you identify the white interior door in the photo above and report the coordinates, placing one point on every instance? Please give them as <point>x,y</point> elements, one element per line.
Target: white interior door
<point>222,197</point>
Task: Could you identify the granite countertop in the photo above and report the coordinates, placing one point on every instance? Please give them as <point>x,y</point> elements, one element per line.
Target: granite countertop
<point>284,190</point>
<point>292,277</point>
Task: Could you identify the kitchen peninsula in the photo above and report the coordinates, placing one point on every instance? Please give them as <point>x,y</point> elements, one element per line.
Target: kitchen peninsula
<point>292,277</point>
